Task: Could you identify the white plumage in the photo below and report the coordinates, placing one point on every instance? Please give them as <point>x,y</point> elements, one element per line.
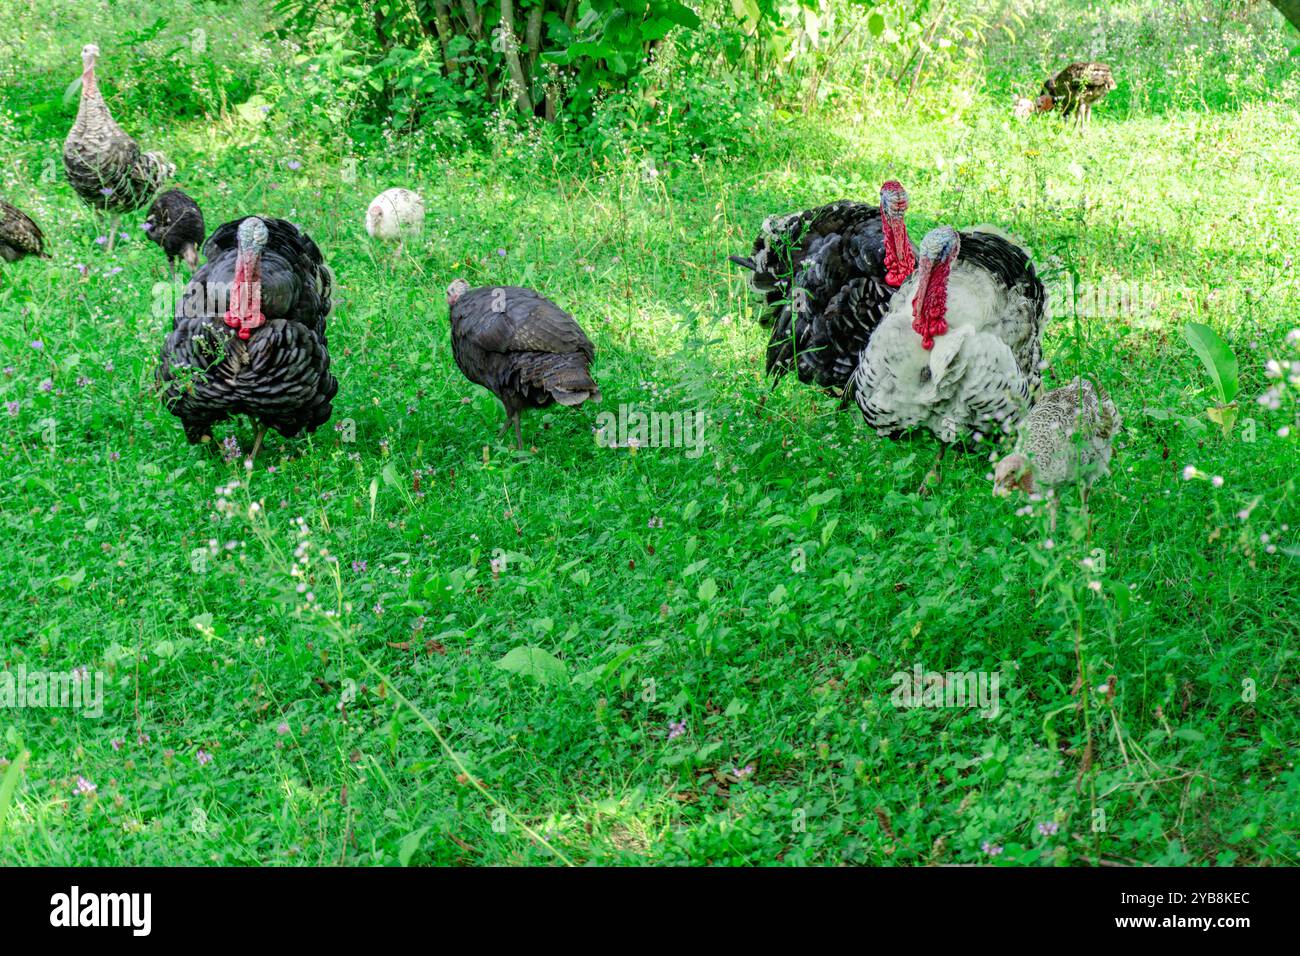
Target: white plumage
<point>982,364</point>
<point>395,215</point>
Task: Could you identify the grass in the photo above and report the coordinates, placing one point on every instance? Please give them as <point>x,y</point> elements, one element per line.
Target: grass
<point>589,655</point>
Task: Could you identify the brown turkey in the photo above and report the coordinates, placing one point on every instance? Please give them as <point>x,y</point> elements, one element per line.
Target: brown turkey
<point>520,346</point>
<point>103,164</point>
<point>19,236</point>
<point>249,334</point>
<point>1072,92</point>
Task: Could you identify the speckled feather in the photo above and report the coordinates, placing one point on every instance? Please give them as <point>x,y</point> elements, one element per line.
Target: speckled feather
<point>1079,83</point>
<point>98,155</point>
<point>980,375</point>
<point>522,347</point>
<point>280,375</point>
<point>835,254</point>
<point>1047,436</point>
<point>19,236</point>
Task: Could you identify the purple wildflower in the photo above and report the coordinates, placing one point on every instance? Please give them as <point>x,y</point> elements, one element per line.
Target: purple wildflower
<point>992,849</point>
<point>116,743</point>
<point>38,345</point>
<point>12,408</point>
<point>203,757</point>
<point>101,240</point>
<point>675,730</point>
<point>106,191</point>
<point>1049,828</point>
<point>282,728</point>
<point>47,386</point>
<point>358,567</point>
<point>84,786</point>
<point>295,165</point>
<point>114,456</point>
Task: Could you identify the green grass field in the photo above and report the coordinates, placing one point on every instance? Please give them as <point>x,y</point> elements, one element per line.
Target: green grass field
<point>589,655</point>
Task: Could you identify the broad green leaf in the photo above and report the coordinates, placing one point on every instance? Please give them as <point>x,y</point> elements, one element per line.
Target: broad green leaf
<point>410,843</point>
<point>1216,356</point>
<point>708,590</point>
<point>536,663</point>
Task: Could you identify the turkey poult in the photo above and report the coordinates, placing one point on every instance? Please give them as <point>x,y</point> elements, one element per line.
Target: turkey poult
<point>249,334</point>
<point>19,236</point>
<point>103,164</point>
<point>1065,439</point>
<point>395,215</point>
<point>175,222</point>
<point>958,353</point>
<point>520,346</point>
<point>828,275</point>
<point>1071,92</point>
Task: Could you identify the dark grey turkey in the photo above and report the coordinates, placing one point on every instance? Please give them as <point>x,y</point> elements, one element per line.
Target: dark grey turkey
<point>19,236</point>
<point>522,347</point>
<point>828,275</point>
<point>175,222</point>
<point>1073,91</point>
<point>249,334</point>
<point>104,165</point>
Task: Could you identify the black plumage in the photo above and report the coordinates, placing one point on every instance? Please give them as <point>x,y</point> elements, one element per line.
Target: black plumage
<point>522,347</point>
<point>229,353</point>
<point>19,236</point>
<point>175,223</point>
<point>827,282</point>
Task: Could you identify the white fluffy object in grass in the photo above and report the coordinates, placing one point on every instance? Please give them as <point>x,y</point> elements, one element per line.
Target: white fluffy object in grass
<point>394,215</point>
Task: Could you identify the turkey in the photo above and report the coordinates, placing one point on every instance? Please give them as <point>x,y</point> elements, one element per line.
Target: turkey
<point>104,165</point>
<point>395,215</point>
<point>520,346</point>
<point>828,275</point>
<point>249,334</point>
<point>1072,92</point>
<point>958,352</point>
<point>175,222</point>
<point>19,236</point>
<point>1065,439</point>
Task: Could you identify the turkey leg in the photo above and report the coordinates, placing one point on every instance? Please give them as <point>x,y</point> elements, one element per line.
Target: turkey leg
<point>113,222</point>
<point>926,488</point>
<point>257,442</point>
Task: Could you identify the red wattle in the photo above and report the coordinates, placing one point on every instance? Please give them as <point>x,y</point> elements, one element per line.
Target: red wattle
<point>245,311</point>
<point>930,307</point>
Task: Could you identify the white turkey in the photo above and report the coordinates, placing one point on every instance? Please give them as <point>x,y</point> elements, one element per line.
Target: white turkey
<point>1065,439</point>
<point>958,353</point>
<point>828,275</point>
<point>104,164</point>
<point>394,216</point>
<point>522,347</point>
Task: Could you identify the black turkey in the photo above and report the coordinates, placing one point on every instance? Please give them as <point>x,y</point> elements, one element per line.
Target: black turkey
<point>520,346</point>
<point>249,334</point>
<point>1072,92</point>
<point>19,236</point>
<point>828,275</point>
<point>104,165</point>
<point>175,222</point>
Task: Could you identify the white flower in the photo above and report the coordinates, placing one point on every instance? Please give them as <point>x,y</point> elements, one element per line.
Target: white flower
<point>1190,472</point>
<point>1217,481</point>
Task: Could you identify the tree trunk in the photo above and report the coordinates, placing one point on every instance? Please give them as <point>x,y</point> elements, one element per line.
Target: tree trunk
<point>523,102</point>
<point>473,17</point>
<point>533,36</point>
<point>442,22</point>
